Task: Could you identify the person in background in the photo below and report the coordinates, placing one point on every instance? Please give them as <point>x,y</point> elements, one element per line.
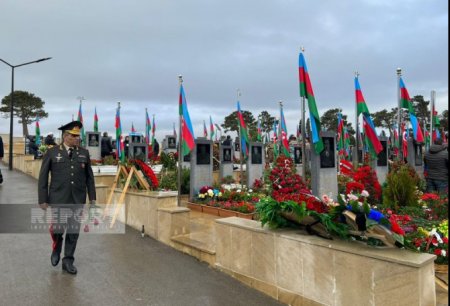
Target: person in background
<point>155,148</point>
<point>32,147</point>
<point>126,145</point>
<point>436,165</point>
<point>227,141</point>
<point>71,178</point>
<point>106,145</point>
<point>49,140</point>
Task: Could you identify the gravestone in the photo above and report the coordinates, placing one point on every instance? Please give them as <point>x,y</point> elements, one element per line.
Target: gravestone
<point>93,145</point>
<point>135,138</point>
<point>138,151</point>
<point>226,161</point>
<point>187,161</point>
<point>324,167</point>
<point>297,157</point>
<point>415,155</point>
<point>201,166</point>
<point>255,163</point>
<point>169,144</point>
<point>382,160</point>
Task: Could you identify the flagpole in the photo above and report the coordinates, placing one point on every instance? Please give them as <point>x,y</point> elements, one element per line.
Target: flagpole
<point>433,97</point>
<point>399,115</point>
<point>356,157</point>
<point>180,158</point>
<point>303,127</point>
<point>341,136</point>
<point>240,141</point>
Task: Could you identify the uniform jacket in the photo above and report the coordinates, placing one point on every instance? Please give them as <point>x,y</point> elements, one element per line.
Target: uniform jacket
<point>70,178</point>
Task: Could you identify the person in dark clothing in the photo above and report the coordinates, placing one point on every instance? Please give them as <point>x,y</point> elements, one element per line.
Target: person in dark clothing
<point>50,140</point>
<point>126,145</point>
<point>106,145</point>
<point>436,165</point>
<point>32,147</point>
<point>155,148</point>
<point>227,141</point>
<point>71,179</point>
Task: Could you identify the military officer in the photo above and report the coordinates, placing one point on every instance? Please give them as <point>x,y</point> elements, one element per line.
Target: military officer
<point>71,177</point>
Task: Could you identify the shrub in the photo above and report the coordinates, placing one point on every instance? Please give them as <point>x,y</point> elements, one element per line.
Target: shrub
<point>401,187</point>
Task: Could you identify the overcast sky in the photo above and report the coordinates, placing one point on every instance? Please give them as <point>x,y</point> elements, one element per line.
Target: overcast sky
<point>133,51</point>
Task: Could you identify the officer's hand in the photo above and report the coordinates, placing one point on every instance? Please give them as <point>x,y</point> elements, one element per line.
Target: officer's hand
<point>43,206</point>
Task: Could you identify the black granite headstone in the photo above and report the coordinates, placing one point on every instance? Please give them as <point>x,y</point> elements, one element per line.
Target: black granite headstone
<point>203,154</point>
<point>93,140</point>
<point>226,155</point>
<point>297,155</point>
<point>256,155</point>
<point>327,156</point>
<point>171,143</point>
<point>382,156</point>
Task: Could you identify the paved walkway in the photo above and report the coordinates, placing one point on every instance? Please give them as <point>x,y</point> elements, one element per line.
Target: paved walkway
<point>122,269</point>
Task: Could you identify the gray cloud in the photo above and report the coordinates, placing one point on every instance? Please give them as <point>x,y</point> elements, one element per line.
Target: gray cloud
<point>133,51</point>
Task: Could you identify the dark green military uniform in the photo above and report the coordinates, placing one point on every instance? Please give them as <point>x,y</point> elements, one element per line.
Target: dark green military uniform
<point>70,179</point>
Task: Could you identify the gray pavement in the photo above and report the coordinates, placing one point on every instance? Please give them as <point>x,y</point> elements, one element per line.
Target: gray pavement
<point>120,269</point>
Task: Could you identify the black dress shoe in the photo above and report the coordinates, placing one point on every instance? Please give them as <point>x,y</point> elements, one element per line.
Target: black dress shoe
<point>69,268</point>
<point>54,258</point>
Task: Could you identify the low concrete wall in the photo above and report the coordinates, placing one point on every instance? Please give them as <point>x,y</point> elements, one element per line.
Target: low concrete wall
<point>308,270</point>
<point>141,208</point>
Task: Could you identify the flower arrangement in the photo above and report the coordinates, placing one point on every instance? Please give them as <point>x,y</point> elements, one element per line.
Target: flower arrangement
<point>234,197</point>
<point>436,206</point>
<point>433,241</point>
<point>148,173</point>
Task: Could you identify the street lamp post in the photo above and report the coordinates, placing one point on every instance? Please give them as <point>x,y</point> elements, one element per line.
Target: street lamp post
<point>11,105</point>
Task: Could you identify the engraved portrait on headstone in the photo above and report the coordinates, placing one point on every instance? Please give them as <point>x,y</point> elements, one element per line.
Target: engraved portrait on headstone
<point>382,156</point>
<point>93,140</point>
<point>203,154</point>
<point>135,139</point>
<point>256,155</point>
<point>227,155</point>
<point>327,158</point>
<point>187,158</point>
<point>237,147</point>
<point>297,155</point>
<point>138,152</point>
<point>171,143</point>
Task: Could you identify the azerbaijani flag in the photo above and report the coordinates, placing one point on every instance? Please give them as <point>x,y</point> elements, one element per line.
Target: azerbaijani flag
<point>306,91</point>
<point>259,133</point>
<point>133,130</point>
<point>396,140</point>
<point>38,132</point>
<point>95,121</point>
<point>374,144</point>
<point>340,135</point>
<point>405,102</point>
<point>80,118</point>
<point>148,127</point>
<point>346,142</point>
<point>119,142</point>
<point>187,132</point>
<point>211,129</point>
<point>284,135</point>
<point>153,130</point>
<point>242,131</point>
<point>205,131</point>
<point>275,141</point>
<point>436,123</point>
<point>404,141</point>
